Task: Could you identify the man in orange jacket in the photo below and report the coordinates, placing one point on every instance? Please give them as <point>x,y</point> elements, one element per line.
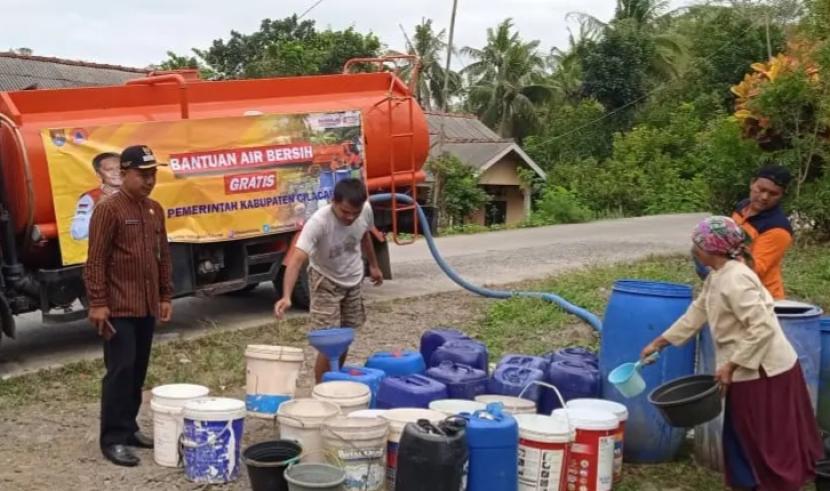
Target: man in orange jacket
<point>763,219</point>
<point>766,225</point>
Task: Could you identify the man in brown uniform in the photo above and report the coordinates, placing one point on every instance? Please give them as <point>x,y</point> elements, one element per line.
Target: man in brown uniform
<point>129,286</point>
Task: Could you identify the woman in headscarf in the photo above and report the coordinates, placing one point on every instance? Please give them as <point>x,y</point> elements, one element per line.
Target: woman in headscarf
<point>770,436</point>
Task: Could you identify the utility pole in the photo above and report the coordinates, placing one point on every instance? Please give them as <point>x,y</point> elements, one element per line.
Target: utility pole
<point>436,185</point>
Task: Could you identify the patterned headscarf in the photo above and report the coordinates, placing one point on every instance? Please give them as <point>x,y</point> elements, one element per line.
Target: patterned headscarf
<point>720,236</point>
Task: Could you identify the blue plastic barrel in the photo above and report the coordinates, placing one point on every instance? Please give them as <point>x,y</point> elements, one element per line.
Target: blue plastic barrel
<point>574,379</point>
<point>397,363</point>
<point>493,441</point>
<point>801,323</point>
<point>462,381</point>
<point>364,375</point>
<point>432,339</point>
<point>637,312</point>
<point>824,377</point>
<point>575,354</point>
<point>409,391</point>
<point>468,352</point>
<point>527,361</point>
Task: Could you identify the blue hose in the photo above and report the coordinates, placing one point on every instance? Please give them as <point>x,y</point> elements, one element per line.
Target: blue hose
<point>568,307</point>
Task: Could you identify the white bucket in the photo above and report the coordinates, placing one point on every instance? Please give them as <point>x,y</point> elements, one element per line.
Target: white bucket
<point>177,395</point>
<point>398,418</point>
<point>618,410</point>
<point>349,396</point>
<point>300,420</point>
<point>451,407</point>
<point>358,446</point>
<point>368,413</point>
<point>167,404</point>
<point>271,377</point>
<point>543,449</point>
<point>512,405</point>
<point>212,439</point>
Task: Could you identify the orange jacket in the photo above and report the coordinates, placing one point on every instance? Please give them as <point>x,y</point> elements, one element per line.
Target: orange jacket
<point>772,236</point>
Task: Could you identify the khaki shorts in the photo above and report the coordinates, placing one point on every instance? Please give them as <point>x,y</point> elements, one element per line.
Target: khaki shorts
<point>333,305</point>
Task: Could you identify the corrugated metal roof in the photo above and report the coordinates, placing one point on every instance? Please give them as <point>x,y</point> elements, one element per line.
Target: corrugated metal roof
<point>460,127</point>
<point>472,142</point>
<point>19,72</point>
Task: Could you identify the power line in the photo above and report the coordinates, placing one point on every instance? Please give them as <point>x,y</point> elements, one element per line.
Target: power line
<point>310,9</point>
<point>647,94</point>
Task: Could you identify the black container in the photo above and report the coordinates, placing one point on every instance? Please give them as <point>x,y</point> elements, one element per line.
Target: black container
<point>689,401</point>
<point>823,475</point>
<point>267,462</point>
<point>432,457</point>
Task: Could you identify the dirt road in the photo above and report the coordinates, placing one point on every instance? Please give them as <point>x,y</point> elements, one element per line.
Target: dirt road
<point>491,258</point>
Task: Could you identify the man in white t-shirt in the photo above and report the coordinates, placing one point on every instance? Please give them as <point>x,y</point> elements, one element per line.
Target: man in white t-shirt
<point>332,241</point>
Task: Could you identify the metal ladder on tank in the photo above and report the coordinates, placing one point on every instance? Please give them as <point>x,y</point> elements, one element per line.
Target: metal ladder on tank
<point>409,171</point>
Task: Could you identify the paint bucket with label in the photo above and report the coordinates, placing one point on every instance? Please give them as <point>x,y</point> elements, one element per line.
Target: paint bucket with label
<point>211,439</point>
<point>358,446</point>
<point>271,377</point>
<point>590,465</point>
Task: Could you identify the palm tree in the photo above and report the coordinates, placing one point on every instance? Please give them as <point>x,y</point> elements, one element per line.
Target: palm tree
<point>431,47</point>
<point>506,81</point>
<point>647,15</point>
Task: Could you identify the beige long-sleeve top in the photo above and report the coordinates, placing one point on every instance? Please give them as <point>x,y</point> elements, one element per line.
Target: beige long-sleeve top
<point>741,315</point>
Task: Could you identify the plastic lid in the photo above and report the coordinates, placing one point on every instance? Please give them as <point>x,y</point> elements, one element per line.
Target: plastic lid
<point>589,419</point>
<point>180,391</point>
<point>615,408</point>
<point>541,428</point>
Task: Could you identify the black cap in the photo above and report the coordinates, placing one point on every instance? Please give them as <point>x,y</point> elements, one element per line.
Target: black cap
<point>139,157</point>
<point>778,174</point>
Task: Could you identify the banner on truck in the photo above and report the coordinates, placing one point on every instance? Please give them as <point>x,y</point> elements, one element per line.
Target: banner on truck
<point>226,178</point>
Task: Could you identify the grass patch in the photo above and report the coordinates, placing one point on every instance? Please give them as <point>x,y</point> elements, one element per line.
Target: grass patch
<point>518,325</point>
<point>216,360</point>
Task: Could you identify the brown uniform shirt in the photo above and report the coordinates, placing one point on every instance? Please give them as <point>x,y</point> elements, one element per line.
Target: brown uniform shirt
<point>128,266</point>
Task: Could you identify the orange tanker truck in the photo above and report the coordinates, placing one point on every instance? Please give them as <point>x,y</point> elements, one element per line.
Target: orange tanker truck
<point>248,162</point>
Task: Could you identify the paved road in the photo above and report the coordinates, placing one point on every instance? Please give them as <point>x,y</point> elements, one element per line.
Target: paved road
<point>492,258</point>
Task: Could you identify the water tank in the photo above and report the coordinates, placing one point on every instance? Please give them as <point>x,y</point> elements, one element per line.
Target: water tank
<point>493,440</point>
<point>381,98</point>
<point>462,381</point>
<point>510,380</point>
<point>432,456</point>
<point>527,361</point>
<point>409,391</point>
<point>574,353</point>
<point>468,352</point>
<point>397,363</point>
<point>432,339</point>
<point>637,312</point>
<point>574,379</point>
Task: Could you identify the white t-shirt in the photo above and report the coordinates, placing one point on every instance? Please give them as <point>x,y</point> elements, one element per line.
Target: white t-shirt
<point>334,249</point>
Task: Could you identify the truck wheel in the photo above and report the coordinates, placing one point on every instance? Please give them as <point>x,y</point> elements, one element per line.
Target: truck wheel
<point>301,296</point>
<point>243,291</point>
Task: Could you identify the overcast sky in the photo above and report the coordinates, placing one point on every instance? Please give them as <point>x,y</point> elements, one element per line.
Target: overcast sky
<point>139,33</point>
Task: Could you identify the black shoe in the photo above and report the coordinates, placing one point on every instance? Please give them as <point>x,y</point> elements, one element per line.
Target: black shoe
<point>120,455</point>
<point>140,440</point>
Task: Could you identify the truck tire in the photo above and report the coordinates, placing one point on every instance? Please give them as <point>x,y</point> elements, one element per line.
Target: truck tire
<point>301,296</point>
<point>243,291</point>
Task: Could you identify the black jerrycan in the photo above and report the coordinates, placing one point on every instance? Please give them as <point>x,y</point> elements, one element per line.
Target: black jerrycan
<point>433,457</point>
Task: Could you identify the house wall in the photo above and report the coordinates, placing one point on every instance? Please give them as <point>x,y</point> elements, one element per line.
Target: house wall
<point>502,173</point>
